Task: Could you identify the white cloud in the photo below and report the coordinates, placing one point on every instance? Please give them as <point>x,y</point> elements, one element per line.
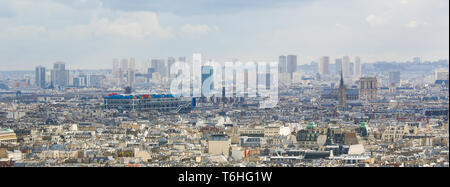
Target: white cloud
<point>412,24</point>
<point>90,32</point>
<point>195,31</point>
<point>127,24</point>
<point>121,25</point>
<point>415,24</point>
<point>23,32</point>
<point>378,20</point>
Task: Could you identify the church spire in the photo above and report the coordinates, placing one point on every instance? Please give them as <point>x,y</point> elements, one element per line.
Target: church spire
<point>342,93</point>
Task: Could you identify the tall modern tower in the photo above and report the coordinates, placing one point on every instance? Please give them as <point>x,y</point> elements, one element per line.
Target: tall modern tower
<point>40,77</point>
<point>324,66</point>
<point>132,64</point>
<point>181,59</point>
<point>291,64</point>
<point>357,67</point>
<point>158,65</point>
<point>116,72</point>
<point>59,75</point>
<point>131,74</point>
<point>123,72</point>
<point>123,64</point>
<point>207,74</point>
<point>417,59</point>
<point>282,64</point>
<point>170,62</point>
<point>394,78</point>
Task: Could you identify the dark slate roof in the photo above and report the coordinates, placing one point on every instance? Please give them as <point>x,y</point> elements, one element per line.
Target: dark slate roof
<point>439,82</point>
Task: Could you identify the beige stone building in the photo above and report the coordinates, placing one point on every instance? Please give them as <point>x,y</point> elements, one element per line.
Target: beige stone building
<point>7,136</point>
<point>394,133</point>
<point>219,145</point>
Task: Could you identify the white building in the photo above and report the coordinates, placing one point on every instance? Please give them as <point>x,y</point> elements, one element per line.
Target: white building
<point>324,66</point>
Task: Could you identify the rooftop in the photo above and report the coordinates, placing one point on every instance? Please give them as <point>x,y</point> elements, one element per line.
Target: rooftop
<point>5,131</point>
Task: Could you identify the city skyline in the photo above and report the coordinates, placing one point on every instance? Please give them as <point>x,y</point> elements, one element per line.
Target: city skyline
<point>124,72</point>
<point>85,33</point>
<point>141,63</point>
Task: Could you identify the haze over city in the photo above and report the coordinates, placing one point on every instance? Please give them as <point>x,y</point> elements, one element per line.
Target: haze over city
<point>88,34</point>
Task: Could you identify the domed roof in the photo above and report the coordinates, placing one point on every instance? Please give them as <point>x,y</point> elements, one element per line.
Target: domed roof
<point>311,125</point>
<point>363,125</point>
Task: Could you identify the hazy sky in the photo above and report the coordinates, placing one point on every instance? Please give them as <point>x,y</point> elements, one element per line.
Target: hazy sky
<point>90,33</point>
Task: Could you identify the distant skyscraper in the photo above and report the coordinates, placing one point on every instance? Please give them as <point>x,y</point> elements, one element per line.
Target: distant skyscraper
<point>170,61</point>
<point>357,67</point>
<point>40,77</point>
<point>131,74</point>
<point>131,78</point>
<point>417,60</point>
<point>158,65</point>
<point>155,64</point>
<point>394,78</point>
<point>116,72</point>
<point>132,64</point>
<point>59,75</point>
<point>150,72</point>
<point>207,72</point>
<point>124,64</point>
<point>181,59</point>
<point>123,72</point>
<point>235,79</point>
<point>352,68</point>
<point>246,80</point>
<point>324,66</point>
<point>80,81</point>
<point>282,64</point>
<point>268,78</point>
<point>59,66</point>
<point>346,66</point>
<point>292,64</point>
<point>95,81</point>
